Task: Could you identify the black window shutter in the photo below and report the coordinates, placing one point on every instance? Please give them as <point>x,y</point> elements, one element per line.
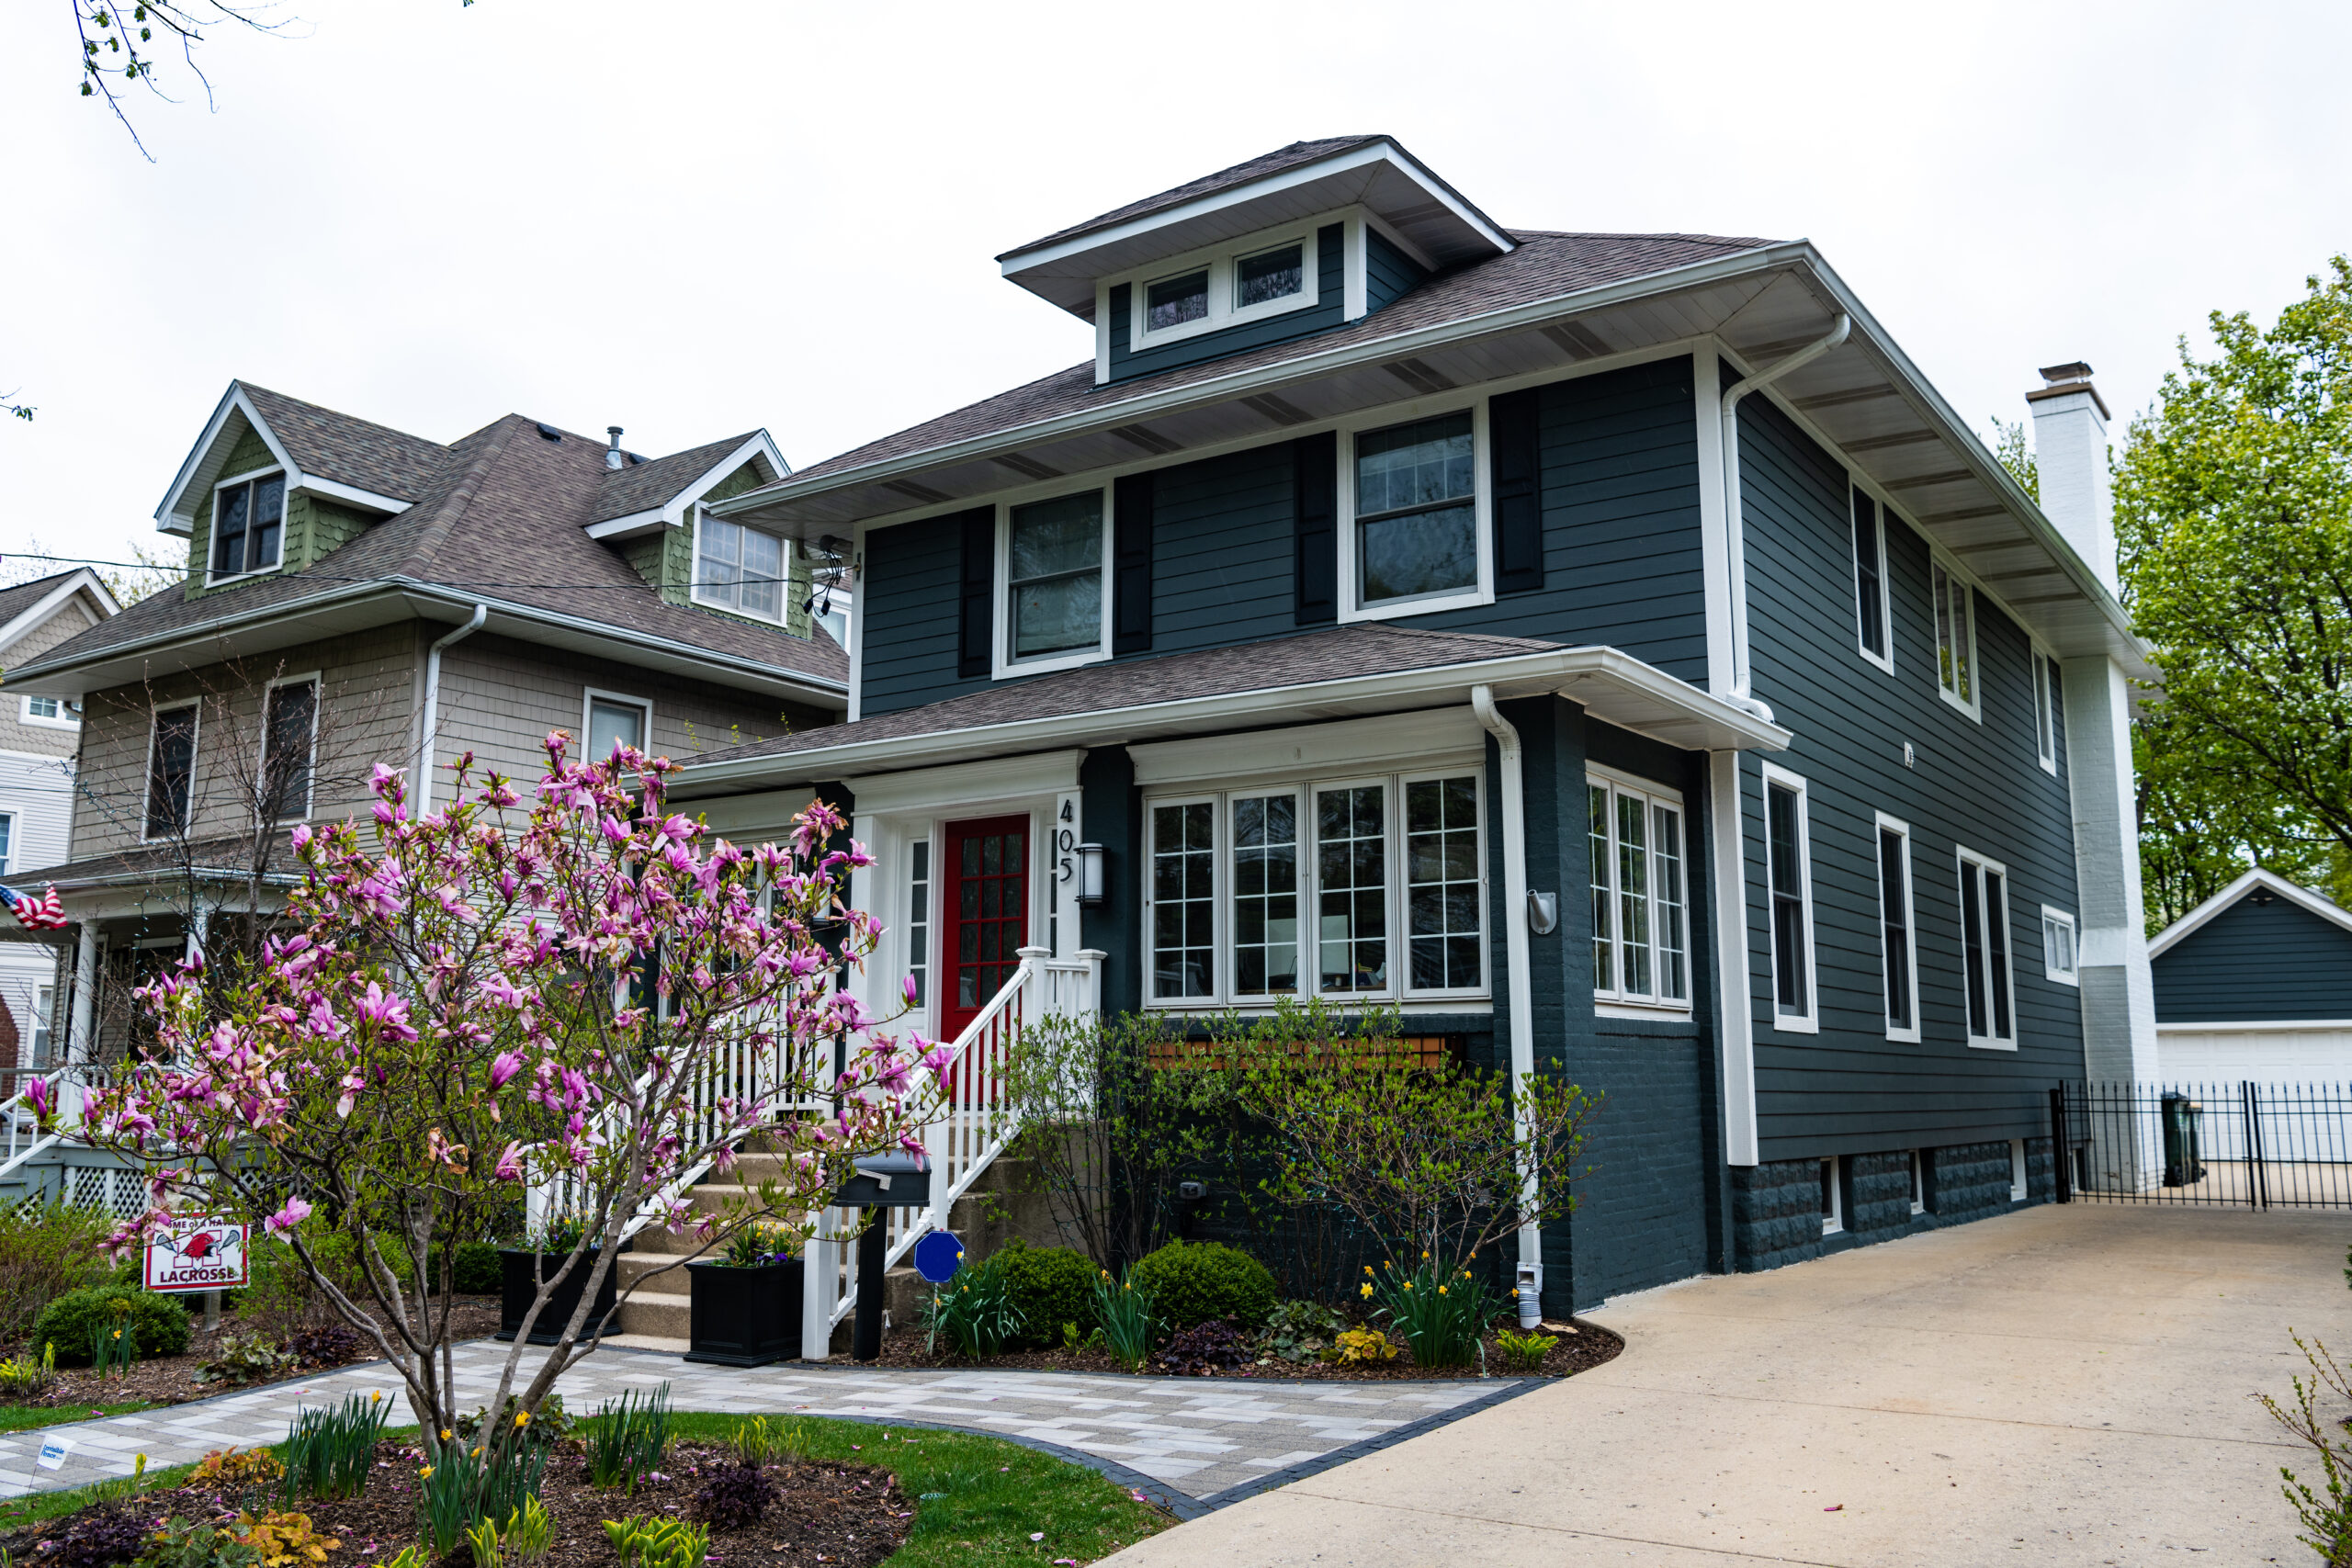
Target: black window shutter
<point>977,602</point>
<point>1314,499</point>
<point>1131,564</point>
<point>1511,428</point>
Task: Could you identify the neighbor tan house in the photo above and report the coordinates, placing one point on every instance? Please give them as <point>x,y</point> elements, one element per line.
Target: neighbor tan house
<point>355,594</point>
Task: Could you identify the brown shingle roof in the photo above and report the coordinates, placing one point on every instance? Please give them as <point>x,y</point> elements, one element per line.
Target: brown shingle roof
<point>1545,264</point>
<point>502,516</point>
<point>1296,660</point>
<point>350,451</point>
<point>15,601</point>
<point>641,486</point>
<point>1256,168</point>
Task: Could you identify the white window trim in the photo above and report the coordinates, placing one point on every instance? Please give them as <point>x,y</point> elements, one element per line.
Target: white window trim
<point>2043,668</point>
<point>211,527</point>
<point>25,714</point>
<point>2050,971</point>
<point>700,514</point>
<point>1909,1034</point>
<point>1974,706</point>
<point>1001,662</point>
<point>1351,606</point>
<point>195,762</point>
<point>591,695</point>
<point>1885,599</point>
<point>1809,1021</point>
<point>1615,1003</point>
<point>2019,1177</point>
<point>314,679</point>
<point>1967,858</point>
<point>1834,1222</point>
<point>41,1029</point>
<point>1399,989</point>
<point>1219,261</point>
<point>14,820</point>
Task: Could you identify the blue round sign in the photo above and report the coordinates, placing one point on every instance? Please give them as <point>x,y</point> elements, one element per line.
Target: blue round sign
<point>937,1257</point>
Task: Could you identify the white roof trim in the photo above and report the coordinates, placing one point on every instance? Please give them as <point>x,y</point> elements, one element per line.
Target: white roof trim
<point>634,523</point>
<point>82,580</point>
<point>176,514</point>
<point>1384,151</point>
<point>2203,914</point>
<point>1615,687</point>
<point>351,495</point>
<point>673,513</point>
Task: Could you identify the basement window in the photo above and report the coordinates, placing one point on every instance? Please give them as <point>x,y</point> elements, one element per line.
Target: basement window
<point>1833,1202</point>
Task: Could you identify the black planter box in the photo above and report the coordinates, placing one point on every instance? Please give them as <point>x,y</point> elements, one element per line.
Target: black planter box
<point>516,1287</point>
<point>744,1317</point>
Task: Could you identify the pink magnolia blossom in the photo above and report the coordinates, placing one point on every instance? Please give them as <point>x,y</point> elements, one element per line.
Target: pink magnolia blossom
<point>286,1219</point>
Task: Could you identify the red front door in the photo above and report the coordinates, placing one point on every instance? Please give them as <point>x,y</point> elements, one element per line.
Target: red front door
<point>987,914</point>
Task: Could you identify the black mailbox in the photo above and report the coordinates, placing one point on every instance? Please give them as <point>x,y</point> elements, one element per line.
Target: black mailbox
<point>887,1182</point>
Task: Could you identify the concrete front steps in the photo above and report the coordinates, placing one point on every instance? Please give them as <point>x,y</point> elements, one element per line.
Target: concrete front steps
<point>657,1315</point>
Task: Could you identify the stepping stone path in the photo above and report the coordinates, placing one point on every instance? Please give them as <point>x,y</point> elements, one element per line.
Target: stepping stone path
<point>1197,1437</point>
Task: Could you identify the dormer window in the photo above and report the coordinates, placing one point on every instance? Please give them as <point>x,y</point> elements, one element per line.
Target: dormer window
<point>1262,275</point>
<point>248,518</point>
<point>739,569</point>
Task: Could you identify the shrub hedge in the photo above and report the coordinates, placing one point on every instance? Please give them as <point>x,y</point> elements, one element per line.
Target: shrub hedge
<point>158,1323</point>
<point>1199,1281</point>
<point>1050,1286</point>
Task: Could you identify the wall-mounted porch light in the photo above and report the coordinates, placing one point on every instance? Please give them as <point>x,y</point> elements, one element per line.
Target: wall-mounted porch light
<point>1090,873</point>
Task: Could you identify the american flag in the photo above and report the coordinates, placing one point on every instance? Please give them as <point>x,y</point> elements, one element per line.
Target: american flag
<point>44,913</point>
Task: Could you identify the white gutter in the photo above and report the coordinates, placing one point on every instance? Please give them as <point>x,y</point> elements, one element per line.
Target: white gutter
<point>421,787</point>
<point>1735,553</point>
<point>1518,990</point>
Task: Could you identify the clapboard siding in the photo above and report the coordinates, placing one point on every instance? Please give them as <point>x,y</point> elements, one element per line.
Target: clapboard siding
<point>1620,549</point>
<point>1329,310</point>
<point>2257,963</point>
<point>1389,273</point>
<point>1848,1089</point>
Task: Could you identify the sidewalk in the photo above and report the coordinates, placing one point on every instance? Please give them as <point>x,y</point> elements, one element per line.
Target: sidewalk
<point>2061,1386</point>
<point>1193,1437</point>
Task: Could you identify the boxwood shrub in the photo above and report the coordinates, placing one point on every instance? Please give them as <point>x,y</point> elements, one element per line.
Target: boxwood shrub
<point>158,1323</point>
<point>1198,1282</point>
<point>1051,1286</point>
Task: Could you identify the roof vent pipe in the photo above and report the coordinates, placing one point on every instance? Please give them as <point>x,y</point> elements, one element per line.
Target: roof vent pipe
<point>1742,679</point>
<point>613,459</point>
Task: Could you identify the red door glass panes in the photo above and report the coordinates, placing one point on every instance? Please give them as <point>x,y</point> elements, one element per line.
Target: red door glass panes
<point>987,914</point>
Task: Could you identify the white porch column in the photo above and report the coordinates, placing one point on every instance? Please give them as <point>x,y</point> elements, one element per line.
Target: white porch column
<point>78,1042</point>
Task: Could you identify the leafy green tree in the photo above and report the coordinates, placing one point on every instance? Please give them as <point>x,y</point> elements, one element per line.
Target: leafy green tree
<point>2008,444</point>
<point>2234,525</point>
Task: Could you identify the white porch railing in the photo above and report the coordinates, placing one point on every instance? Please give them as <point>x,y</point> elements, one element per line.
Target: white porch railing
<point>22,1137</point>
<point>974,1126</point>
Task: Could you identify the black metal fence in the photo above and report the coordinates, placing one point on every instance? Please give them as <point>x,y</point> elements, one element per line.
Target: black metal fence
<point>2243,1145</point>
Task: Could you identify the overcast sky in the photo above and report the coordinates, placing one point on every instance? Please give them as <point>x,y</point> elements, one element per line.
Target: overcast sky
<point>694,220</point>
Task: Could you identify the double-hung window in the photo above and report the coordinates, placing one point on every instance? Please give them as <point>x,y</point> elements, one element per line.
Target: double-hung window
<point>44,1004</point>
<point>7,842</point>
<point>2045,711</point>
<point>1641,946</point>
<point>64,713</point>
<point>1899,958</point>
<point>1357,888</point>
<point>1053,579</point>
<point>170,770</point>
<point>1955,638</point>
<point>1869,582</point>
<point>1985,951</point>
<point>1416,529</point>
<point>289,737</point>
<point>739,569</point>
<point>248,517</point>
<point>1788,878</point>
<point>2061,956</point>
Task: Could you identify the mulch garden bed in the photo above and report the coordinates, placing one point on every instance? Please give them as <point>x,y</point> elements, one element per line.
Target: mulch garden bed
<point>171,1380</point>
<point>823,1512</point>
<point>1581,1345</point>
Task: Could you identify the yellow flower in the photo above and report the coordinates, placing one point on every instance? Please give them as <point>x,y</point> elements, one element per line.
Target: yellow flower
<point>1367,1268</point>
<point>1367,1289</point>
<point>1425,1255</point>
<point>375,1396</point>
<point>1409,1284</point>
<point>522,1417</point>
<point>425,1475</point>
<point>478,1451</point>
<point>117,1334</point>
<point>1441,1289</point>
<point>445,1434</point>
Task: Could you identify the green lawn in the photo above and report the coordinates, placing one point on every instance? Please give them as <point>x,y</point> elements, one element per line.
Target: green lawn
<point>16,1417</point>
<point>980,1499</point>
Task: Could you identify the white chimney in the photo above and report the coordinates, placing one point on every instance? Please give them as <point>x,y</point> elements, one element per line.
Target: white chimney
<point>2070,459</point>
<point>613,459</point>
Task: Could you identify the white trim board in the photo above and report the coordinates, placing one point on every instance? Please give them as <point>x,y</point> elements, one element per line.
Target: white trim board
<point>2301,898</point>
<point>1348,743</point>
<point>965,784</point>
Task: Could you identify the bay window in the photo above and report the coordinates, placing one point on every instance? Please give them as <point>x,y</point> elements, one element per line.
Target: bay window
<point>1350,888</point>
<point>1640,912</point>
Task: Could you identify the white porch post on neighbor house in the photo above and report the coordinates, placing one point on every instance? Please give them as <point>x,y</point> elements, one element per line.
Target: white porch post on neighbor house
<point>85,984</point>
<point>2117,994</point>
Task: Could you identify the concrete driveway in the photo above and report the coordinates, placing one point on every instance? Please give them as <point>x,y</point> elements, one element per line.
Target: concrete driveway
<point>2058,1387</point>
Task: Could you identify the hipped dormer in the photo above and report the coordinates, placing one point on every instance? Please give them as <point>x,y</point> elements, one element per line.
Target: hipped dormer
<point>1300,241</point>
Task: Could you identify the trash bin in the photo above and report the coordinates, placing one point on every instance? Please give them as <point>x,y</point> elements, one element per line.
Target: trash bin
<point>2184,1153</point>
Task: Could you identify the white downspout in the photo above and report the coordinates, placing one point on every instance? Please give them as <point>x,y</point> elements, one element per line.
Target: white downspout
<point>1518,990</point>
<point>1735,551</point>
<point>421,787</point>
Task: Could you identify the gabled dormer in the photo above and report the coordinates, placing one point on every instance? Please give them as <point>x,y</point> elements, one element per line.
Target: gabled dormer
<point>1300,241</point>
<point>274,484</point>
<point>656,513</point>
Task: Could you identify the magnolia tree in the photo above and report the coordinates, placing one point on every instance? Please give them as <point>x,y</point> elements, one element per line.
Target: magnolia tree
<point>590,1001</point>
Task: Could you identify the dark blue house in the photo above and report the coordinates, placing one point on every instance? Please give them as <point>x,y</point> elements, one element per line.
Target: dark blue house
<point>1607,648</point>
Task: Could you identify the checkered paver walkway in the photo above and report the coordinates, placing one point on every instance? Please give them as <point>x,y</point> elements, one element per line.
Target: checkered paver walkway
<point>1197,1437</point>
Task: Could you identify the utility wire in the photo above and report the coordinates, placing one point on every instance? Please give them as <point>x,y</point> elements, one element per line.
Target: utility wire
<point>312,576</point>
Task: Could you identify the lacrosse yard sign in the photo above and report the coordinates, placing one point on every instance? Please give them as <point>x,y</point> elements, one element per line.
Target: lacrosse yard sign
<point>196,1255</point>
